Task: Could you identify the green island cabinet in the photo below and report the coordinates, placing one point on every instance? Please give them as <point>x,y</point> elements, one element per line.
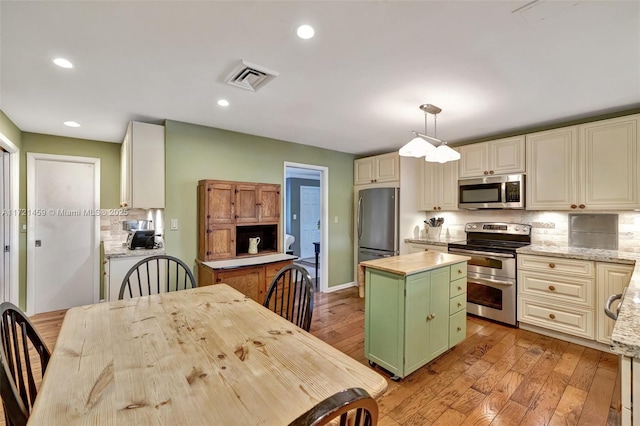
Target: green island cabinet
<point>411,319</point>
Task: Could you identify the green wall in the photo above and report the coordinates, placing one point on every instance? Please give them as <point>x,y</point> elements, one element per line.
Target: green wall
<point>10,130</point>
<point>197,152</point>
<point>109,155</point>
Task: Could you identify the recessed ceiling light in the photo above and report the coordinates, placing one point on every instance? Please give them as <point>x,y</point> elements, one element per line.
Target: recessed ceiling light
<point>62,62</point>
<point>223,102</point>
<point>305,31</point>
<point>71,124</point>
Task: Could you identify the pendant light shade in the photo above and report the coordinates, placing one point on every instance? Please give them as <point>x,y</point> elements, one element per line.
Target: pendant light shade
<point>433,149</point>
<point>442,154</point>
<point>417,147</point>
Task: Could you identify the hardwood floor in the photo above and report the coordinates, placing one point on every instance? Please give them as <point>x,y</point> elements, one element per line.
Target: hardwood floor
<point>497,376</point>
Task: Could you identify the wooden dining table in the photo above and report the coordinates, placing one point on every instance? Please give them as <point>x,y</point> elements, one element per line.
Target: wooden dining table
<point>203,356</point>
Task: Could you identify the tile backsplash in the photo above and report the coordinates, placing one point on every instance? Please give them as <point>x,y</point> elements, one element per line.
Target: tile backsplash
<point>112,234</point>
<point>548,228</point>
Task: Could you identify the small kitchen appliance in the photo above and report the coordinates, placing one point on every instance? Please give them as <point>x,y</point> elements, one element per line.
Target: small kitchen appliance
<point>141,239</point>
<point>491,271</point>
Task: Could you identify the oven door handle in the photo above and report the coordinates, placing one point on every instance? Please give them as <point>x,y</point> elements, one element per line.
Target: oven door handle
<point>483,253</point>
<point>487,281</point>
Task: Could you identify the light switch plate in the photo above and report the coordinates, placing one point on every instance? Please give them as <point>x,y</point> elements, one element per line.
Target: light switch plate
<point>174,224</point>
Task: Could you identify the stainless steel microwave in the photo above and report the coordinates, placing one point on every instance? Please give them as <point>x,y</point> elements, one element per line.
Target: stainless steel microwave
<point>492,192</point>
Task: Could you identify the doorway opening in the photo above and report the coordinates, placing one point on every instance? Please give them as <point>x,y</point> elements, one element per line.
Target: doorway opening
<point>306,218</point>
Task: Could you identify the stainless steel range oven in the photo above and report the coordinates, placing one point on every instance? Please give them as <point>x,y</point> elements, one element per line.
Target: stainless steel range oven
<point>491,273</point>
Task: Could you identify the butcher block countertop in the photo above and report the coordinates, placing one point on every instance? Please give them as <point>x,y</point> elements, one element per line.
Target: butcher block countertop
<point>409,264</point>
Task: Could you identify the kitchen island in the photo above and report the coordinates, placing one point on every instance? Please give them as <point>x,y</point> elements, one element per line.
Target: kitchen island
<point>415,309</point>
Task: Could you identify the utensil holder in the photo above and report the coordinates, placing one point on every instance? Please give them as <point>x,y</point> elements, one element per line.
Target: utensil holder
<point>433,232</point>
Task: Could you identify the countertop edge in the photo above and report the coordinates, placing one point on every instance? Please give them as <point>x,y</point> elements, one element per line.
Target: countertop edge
<point>441,260</point>
<point>249,261</point>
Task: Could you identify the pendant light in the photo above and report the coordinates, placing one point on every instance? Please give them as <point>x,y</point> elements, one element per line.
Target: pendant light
<point>423,144</point>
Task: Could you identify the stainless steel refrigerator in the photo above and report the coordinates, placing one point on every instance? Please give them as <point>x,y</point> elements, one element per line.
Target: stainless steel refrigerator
<point>377,223</point>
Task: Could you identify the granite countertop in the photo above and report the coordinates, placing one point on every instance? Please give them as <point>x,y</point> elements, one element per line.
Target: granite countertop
<point>434,242</point>
<point>625,339</point>
<point>409,264</point>
<point>121,251</point>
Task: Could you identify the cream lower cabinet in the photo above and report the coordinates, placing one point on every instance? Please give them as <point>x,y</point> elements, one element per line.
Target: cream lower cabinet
<point>568,295</point>
<point>612,279</point>
<point>417,247</point>
<point>557,294</point>
<point>410,320</point>
<point>439,186</point>
<point>592,166</point>
<point>115,270</point>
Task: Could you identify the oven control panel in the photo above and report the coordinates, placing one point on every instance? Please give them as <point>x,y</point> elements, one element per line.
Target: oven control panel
<point>499,228</point>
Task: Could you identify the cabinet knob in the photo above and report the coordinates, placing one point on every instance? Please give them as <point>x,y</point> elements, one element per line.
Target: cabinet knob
<point>218,280</point>
<point>573,206</point>
<point>552,288</point>
<point>459,328</point>
<point>459,304</point>
<point>208,253</point>
<point>460,271</point>
<point>430,317</point>
<point>486,172</point>
<point>490,172</point>
<point>124,204</point>
<point>439,208</point>
<point>459,288</point>
<point>581,206</point>
<point>209,231</point>
<point>552,265</point>
<point>435,208</point>
<point>552,316</point>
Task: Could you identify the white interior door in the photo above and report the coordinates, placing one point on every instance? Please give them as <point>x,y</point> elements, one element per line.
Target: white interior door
<point>63,232</point>
<point>309,220</point>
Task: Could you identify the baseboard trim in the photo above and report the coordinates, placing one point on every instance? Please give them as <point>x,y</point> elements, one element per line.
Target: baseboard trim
<point>340,287</point>
<point>566,337</point>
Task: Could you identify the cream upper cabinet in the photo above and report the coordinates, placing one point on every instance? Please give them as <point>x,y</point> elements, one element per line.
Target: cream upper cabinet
<point>377,169</point>
<point>439,186</point>
<point>609,155</point>
<point>500,157</point>
<point>612,279</point>
<point>142,166</point>
<point>552,169</point>
<point>593,166</point>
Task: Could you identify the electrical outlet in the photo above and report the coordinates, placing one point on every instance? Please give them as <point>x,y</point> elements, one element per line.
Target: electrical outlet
<point>174,224</point>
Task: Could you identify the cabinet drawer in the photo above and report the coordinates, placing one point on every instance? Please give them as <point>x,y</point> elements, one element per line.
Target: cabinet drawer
<point>458,287</point>
<point>574,290</point>
<point>457,328</point>
<point>556,265</point>
<point>573,321</point>
<point>459,270</point>
<point>457,303</point>
<point>272,269</point>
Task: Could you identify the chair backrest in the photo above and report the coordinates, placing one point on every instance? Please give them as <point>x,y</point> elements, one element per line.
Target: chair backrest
<point>156,274</point>
<point>352,406</point>
<point>21,348</point>
<point>290,295</point>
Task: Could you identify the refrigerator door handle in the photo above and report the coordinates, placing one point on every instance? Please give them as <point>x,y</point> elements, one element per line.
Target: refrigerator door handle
<point>359,217</point>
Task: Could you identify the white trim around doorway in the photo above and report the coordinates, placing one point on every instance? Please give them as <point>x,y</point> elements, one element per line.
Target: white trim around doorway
<point>12,291</point>
<point>324,217</point>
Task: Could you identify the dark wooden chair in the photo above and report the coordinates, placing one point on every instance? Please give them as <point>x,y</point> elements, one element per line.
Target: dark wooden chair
<point>353,407</point>
<point>156,274</point>
<point>21,345</point>
<point>290,295</point>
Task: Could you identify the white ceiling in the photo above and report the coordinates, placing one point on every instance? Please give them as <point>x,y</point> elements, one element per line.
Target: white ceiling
<point>355,87</point>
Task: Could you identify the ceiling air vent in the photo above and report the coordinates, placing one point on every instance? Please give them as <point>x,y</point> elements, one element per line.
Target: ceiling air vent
<point>250,76</point>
